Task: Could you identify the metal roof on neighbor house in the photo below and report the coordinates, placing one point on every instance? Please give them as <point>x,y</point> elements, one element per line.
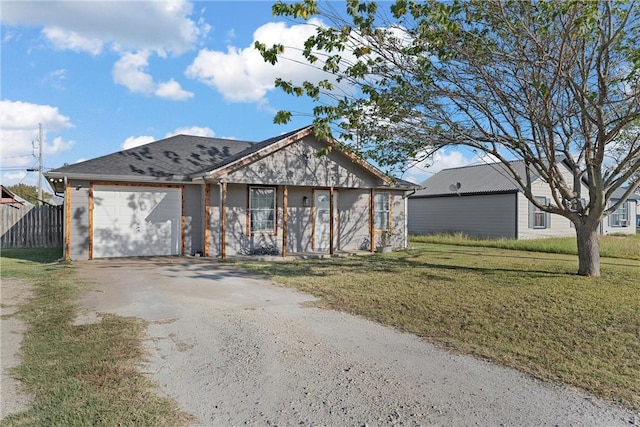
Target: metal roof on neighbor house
<point>618,193</point>
<point>484,178</point>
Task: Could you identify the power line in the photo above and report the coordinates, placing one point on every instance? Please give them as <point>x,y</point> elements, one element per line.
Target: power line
<point>16,157</point>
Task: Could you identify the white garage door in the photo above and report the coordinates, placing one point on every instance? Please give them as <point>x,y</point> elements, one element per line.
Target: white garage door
<point>136,221</point>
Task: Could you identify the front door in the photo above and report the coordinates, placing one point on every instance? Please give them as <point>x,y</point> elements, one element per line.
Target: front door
<point>322,219</point>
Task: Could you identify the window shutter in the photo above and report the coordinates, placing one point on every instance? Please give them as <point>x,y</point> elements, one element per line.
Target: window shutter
<point>627,205</point>
<point>532,210</point>
<point>547,215</point>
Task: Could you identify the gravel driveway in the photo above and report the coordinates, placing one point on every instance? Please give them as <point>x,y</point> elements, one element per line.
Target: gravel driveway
<point>234,349</point>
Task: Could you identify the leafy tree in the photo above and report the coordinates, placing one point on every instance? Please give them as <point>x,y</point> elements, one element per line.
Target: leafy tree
<point>538,81</point>
<point>28,192</point>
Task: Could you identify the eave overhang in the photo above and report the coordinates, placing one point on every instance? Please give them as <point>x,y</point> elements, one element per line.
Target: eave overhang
<point>477,193</point>
<point>56,179</point>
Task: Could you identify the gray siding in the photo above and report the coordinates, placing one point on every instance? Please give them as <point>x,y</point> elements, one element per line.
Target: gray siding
<point>236,238</point>
<point>193,212</point>
<point>79,221</point>
<point>214,220</point>
<point>353,219</point>
<point>399,220</point>
<point>488,216</point>
<point>298,164</point>
<point>299,220</point>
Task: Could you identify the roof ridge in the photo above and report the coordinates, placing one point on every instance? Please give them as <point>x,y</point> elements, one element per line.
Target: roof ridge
<point>498,162</point>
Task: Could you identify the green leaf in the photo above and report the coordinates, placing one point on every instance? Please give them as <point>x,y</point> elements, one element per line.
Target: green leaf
<point>282,117</point>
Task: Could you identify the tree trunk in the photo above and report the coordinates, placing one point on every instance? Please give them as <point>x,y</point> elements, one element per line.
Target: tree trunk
<point>588,249</point>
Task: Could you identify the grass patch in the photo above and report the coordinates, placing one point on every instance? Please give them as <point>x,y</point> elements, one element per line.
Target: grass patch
<point>613,246</point>
<point>521,309</point>
<point>79,375</point>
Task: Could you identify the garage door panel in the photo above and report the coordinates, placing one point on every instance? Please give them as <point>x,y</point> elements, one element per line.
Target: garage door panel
<point>136,221</point>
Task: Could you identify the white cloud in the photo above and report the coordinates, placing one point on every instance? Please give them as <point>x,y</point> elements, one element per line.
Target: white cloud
<point>443,159</point>
<point>19,135</point>
<point>161,26</point>
<point>231,35</point>
<point>70,40</point>
<point>146,27</point>
<point>57,146</point>
<point>172,90</point>
<point>17,115</point>
<point>136,141</point>
<point>130,71</point>
<point>56,78</point>
<point>193,130</point>
<point>13,176</point>
<point>242,75</point>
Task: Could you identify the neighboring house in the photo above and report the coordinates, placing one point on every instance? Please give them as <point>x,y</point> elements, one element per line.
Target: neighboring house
<point>195,195</point>
<point>10,199</point>
<point>622,220</point>
<point>485,201</point>
<point>637,197</point>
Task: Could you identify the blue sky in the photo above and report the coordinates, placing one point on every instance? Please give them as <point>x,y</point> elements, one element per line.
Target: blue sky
<point>102,76</point>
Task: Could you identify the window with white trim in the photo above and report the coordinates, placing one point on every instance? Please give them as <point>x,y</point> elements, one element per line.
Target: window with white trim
<point>262,209</point>
<point>381,211</point>
<point>620,217</point>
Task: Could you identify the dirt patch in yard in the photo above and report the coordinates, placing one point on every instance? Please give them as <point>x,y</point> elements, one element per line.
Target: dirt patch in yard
<point>13,293</point>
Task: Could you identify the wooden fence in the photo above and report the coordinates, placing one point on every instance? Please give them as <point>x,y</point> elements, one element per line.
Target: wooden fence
<point>31,226</point>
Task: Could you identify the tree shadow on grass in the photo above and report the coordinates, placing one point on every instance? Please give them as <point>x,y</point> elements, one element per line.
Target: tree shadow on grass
<point>385,264</point>
<point>39,255</point>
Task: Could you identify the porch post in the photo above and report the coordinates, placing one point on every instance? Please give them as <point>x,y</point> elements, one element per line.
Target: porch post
<point>91,204</point>
<point>372,235</point>
<point>183,221</point>
<point>285,205</point>
<point>331,232</point>
<point>223,221</point>
<point>207,219</point>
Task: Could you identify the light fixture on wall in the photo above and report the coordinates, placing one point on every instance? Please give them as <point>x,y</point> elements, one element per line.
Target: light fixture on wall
<point>305,201</point>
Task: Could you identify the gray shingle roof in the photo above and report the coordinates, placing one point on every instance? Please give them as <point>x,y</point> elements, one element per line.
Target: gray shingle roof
<point>178,158</point>
<point>179,155</point>
<point>475,179</point>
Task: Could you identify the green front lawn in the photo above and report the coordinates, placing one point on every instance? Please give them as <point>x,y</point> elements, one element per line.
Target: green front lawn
<point>612,246</point>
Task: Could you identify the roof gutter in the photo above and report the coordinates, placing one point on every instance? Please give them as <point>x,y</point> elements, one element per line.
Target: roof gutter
<point>175,179</point>
<point>477,193</point>
<point>406,196</point>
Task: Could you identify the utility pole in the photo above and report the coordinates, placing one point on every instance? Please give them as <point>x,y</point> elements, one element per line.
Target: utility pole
<point>40,161</point>
<point>40,139</point>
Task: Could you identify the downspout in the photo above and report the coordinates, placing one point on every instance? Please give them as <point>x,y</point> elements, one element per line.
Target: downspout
<point>406,221</point>
<point>517,214</point>
<point>406,196</point>
<point>406,216</point>
<point>67,220</point>
<point>221,239</point>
